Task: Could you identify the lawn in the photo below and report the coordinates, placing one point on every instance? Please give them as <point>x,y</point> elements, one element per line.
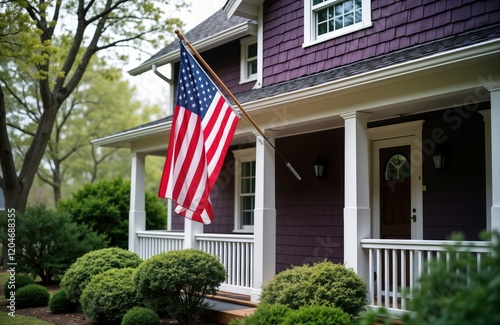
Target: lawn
<point>20,320</point>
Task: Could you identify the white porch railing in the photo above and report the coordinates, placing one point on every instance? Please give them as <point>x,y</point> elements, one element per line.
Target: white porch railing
<point>155,242</point>
<point>235,252</point>
<point>396,265</point>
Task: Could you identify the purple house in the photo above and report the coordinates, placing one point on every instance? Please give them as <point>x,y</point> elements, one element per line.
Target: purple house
<point>388,110</point>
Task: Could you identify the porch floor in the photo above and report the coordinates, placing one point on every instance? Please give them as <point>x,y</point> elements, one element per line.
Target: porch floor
<point>227,306</point>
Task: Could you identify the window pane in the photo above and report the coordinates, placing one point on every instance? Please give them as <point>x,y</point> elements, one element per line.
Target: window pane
<point>322,15</point>
<point>315,2</point>
<point>339,23</point>
<point>322,29</point>
<point>252,50</point>
<point>348,6</point>
<point>357,16</point>
<point>339,10</point>
<point>247,218</point>
<point>246,169</point>
<point>252,68</point>
<point>348,19</point>
<point>358,4</point>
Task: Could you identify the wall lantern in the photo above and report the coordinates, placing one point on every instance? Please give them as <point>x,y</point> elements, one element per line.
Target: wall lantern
<point>438,158</point>
<point>320,167</point>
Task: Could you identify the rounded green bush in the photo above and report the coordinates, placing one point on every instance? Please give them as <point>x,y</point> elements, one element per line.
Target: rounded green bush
<point>314,315</point>
<point>81,272</point>
<point>140,316</point>
<point>60,304</point>
<point>179,281</point>
<point>109,295</point>
<point>324,284</point>
<point>265,314</point>
<point>15,283</point>
<point>32,295</point>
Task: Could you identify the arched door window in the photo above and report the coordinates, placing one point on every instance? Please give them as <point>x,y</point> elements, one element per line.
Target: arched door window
<point>397,168</point>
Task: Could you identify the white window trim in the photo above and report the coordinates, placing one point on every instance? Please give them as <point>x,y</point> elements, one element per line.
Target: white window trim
<point>310,24</point>
<point>244,59</point>
<point>243,155</point>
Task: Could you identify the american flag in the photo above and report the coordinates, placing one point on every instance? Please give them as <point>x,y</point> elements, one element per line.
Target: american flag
<point>202,128</point>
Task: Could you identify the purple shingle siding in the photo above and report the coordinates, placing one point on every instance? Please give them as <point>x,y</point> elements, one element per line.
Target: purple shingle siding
<point>396,25</point>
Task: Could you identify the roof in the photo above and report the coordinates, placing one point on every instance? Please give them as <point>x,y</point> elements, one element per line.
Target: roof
<point>212,32</point>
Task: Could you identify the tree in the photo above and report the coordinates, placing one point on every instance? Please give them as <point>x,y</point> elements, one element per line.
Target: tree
<point>49,241</point>
<point>104,206</point>
<point>101,105</point>
<point>91,27</point>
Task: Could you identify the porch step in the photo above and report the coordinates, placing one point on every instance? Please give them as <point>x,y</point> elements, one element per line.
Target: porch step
<point>228,306</point>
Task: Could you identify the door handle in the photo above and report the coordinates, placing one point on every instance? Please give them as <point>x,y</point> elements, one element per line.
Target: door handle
<point>414,217</point>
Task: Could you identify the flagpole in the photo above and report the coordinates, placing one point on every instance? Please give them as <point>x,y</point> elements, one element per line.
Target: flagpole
<point>214,75</point>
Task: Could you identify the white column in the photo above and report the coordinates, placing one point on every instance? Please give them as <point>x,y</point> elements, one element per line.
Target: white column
<point>357,192</point>
<point>487,147</point>
<point>137,213</point>
<point>191,229</point>
<point>264,216</point>
<point>495,155</point>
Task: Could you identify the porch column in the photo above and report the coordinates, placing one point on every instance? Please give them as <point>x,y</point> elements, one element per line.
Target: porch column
<point>137,213</point>
<point>264,216</point>
<point>357,223</point>
<point>495,155</point>
<point>191,229</point>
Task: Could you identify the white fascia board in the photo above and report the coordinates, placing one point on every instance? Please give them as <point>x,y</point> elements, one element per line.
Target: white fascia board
<point>213,41</point>
<point>126,137</point>
<point>379,75</point>
<point>243,8</point>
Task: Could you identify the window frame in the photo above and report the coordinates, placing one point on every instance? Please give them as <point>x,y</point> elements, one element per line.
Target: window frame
<point>245,43</point>
<point>310,36</point>
<point>241,156</point>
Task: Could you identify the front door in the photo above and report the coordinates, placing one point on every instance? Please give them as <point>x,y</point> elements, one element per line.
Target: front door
<point>395,192</point>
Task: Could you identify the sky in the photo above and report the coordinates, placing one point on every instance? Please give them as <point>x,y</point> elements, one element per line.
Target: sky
<point>153,90</point>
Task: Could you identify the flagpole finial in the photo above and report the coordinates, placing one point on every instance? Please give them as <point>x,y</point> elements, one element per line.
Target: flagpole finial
<point>179,34</point>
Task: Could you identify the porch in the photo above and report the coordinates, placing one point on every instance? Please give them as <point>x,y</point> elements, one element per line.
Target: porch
<point>394,266</point>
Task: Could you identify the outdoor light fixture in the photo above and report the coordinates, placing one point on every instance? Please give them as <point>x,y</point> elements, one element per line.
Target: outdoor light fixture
<point>438,158</point>
<point>320,168</point>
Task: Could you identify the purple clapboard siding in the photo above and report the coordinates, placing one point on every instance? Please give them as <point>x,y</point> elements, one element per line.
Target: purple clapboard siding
<point>396,25</point>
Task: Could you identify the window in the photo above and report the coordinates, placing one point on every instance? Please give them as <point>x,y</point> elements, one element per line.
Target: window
<point>397,168</point>
<point>244,193</point>
<point>248,59</point>
<point>326,19</point>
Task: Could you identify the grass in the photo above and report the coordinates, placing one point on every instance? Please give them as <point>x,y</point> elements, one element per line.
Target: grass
<point>20,320</point>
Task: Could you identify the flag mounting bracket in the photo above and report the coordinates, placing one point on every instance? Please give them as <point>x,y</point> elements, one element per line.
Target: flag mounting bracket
<point>155,70</point>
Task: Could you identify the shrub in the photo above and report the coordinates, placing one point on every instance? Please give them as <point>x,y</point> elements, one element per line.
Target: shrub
<point>109,295</point>
<point>180,281</point>
<point>313,315</point>
<point>20,280</point>
<point>104,206</point>
<point>60,304</point>
<point>32,295</point>
<point>81,272</point>
<point>48,241</point>
<point>140,316</point>
<point>265,314</point>
<point>324,284</point>
<point>460,290</point>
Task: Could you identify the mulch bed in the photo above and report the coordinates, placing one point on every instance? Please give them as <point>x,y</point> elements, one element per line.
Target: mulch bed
<point>78,318</point>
